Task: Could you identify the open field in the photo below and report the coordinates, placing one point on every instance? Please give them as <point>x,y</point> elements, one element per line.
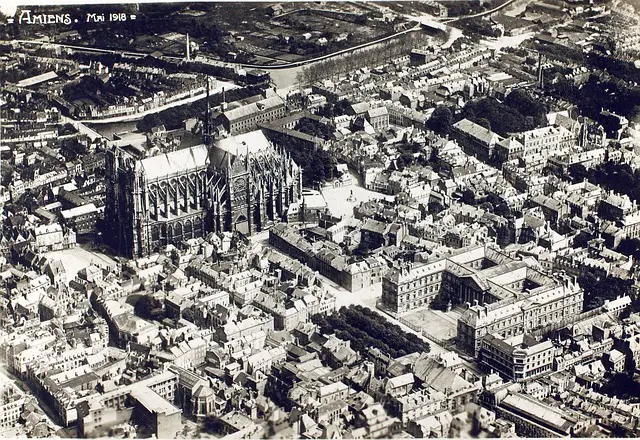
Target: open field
<point>247,32</point>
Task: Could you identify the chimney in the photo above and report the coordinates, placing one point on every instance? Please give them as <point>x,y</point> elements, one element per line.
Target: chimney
<point>223,105</point>
<point>188,49</point>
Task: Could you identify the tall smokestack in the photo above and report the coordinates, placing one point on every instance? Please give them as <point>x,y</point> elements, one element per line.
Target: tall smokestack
<point>188,49</point>
<point>223,105</point>
<point>541,60</point>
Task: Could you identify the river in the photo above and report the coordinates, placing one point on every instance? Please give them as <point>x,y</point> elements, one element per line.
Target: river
<point>108,130</point>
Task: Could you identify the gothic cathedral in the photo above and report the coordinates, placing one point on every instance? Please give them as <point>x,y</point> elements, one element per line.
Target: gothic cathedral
<point>239,183</point>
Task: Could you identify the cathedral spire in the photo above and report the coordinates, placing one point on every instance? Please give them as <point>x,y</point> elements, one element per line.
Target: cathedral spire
<point>207,122</point>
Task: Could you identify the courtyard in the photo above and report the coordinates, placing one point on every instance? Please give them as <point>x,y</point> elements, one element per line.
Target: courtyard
<point>440,325</point>
<point>77,258</point>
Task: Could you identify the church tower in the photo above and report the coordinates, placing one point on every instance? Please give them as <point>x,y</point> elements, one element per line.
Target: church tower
<point>207,131</point>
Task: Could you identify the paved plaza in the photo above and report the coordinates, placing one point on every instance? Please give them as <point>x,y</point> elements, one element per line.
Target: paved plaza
<point>435,323</point>
<point>77,258</point>
<point>341,199</point>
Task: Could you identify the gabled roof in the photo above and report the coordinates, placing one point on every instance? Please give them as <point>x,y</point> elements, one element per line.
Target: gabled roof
<point>253,108</point>
<point>379,111</point>
<point>400,381</point>
<point>175,162</point>
<point>239,145</point>
<point>438,377</point>
<point>511,144</point>
<point>478,132</point>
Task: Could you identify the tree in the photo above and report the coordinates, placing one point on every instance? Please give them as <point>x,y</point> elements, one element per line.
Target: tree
<point>621,385</point>
<point>441,120</point>
<point>468,197</point>
<point>578,172</point>
<point>365,328</point>
<point>148,307</point>
<point>630,247</point>
<point>597,289</point>
<point>314,128</point>
<point>521,101</point>
<point>502,118</point>
<point>189,315</point>
<point>581,240</point>
<point>71,149</point>
<point>435,207</point>
<point>66,129</point>
<point>404,160</point>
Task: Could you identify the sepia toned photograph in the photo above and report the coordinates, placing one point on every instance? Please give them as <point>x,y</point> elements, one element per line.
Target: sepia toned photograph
<point>320,220</point>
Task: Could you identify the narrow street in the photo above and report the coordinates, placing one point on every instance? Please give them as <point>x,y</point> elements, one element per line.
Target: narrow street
<point>49,414</point>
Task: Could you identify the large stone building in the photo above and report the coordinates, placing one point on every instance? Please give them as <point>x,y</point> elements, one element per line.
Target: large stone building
<point>533,310</point>
<point>476,140</point>
<point>240,183</point>
<point>474,274</point>
<point>247,117</point>
<point>509,297</point>
<point>545,140</point>
<point>518,358</point>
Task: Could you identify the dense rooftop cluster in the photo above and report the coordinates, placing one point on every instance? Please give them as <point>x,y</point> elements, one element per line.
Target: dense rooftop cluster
<point>436,236</point>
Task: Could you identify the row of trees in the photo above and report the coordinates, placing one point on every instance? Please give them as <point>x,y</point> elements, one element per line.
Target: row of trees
<point>365,329</point>
<point>381,53</point>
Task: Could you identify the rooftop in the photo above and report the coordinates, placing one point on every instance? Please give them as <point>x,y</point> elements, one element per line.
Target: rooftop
<point>482,134</point>
<point>253,108</point>
<point>542,414</point>
<point>79,210</point>
<point>176,162</point>
<point>152,401</point>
